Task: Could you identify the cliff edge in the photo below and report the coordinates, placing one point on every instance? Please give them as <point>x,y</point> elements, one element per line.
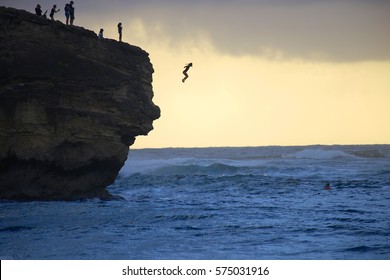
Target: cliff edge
<point>70,107</point>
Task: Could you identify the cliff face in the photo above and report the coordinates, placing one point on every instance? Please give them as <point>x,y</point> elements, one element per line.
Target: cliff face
<point>70,106</point>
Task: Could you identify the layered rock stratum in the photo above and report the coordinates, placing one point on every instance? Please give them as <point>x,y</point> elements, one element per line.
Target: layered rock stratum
<point>70,107</point>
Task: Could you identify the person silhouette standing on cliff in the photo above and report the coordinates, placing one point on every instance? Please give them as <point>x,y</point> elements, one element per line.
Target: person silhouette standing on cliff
<point>101,33</point>
<point>71,12</point>
<point>38,10</point>
<point>120,27</point>
<point>67,10</point>
<point>186,68</point>
<point>53,11</point>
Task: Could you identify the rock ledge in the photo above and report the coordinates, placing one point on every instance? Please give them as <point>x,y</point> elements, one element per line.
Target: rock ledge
<point>70,107</point>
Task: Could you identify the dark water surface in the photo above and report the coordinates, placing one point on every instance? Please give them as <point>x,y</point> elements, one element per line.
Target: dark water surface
<point>219,203</point>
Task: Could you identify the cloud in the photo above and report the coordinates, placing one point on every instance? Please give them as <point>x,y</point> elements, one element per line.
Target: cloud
<point>335,31</point>
<point>331,30</point>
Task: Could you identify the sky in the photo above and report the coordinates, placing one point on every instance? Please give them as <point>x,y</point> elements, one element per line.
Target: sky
<point>266,72</point>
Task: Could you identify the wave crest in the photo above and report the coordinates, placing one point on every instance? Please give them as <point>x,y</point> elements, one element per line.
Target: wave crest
<point>320,154</point>
<point>179,167</point>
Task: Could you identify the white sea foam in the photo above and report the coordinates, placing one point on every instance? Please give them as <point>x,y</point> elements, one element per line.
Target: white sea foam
<point>320,154</point>
<point>179,166</point>
<point>235,160</point>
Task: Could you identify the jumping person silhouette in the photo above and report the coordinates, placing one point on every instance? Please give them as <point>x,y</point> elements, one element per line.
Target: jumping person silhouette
<point>186,68</point>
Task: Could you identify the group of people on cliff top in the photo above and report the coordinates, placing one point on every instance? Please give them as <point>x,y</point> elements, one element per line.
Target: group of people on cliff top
<point>69,15</point>
<point>69,12</point>
<point>120,28</point>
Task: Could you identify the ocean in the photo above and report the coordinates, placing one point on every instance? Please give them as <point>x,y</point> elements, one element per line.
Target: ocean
<point>219,203</point>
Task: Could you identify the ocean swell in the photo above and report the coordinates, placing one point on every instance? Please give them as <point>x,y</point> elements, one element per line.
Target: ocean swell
<point>320,154</point>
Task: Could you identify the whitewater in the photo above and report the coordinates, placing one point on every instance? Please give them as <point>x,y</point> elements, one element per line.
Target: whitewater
<point>219,203</point>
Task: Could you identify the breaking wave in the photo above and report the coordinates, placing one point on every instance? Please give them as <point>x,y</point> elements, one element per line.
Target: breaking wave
<point>239,161</point>
<point>183,168</point>
<point>320,154</point>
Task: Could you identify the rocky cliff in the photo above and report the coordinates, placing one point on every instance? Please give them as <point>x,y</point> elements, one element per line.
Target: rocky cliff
<point>70,107</point>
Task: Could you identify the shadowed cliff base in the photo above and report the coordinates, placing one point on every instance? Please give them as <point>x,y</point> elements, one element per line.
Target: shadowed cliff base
<point>70,106</point>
